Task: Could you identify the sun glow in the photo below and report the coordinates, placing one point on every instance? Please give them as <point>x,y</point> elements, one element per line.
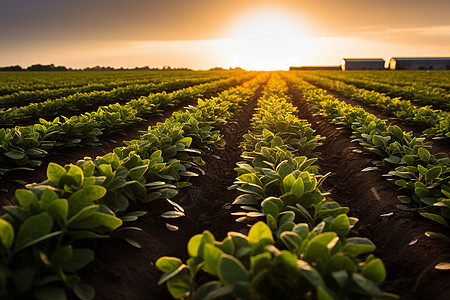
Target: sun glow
<point>269,39</point>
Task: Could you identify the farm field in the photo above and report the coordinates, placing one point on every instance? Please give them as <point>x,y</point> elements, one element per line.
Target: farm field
<point>126,185</point>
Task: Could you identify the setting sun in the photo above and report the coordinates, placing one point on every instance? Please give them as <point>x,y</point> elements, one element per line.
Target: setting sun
<point>268,39</point>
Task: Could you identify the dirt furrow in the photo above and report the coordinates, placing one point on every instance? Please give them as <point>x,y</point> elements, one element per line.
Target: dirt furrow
<point>438,146</point>
<point>409,256</point>
<point>121,271</point>
<point>109,141</point>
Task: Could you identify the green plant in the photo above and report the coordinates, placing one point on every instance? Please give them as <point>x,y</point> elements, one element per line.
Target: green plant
<point>308,265</point>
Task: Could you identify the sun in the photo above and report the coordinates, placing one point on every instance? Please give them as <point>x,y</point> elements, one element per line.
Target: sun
<point>268,39</point>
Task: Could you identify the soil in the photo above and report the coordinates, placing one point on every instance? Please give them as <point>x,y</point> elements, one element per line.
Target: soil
<point>121,271</point>
<point>109,141</point>
<point>410,267</point>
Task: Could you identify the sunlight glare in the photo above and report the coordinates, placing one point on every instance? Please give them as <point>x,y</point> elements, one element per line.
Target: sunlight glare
<point>268,39</point>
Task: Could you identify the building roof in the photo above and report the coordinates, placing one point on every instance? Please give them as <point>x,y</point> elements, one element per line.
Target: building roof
<point>419,58</point>
<point>363,59</point>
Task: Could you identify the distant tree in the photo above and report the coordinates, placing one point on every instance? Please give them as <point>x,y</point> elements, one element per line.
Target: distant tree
<point>11,68</point>
<point>51,67</point>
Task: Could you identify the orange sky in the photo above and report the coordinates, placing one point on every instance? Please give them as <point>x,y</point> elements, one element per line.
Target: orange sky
<point>199,34</point>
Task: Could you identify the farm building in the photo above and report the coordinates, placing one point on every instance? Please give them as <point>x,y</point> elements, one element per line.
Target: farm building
<point>362,64</point>
<point>419,63</point>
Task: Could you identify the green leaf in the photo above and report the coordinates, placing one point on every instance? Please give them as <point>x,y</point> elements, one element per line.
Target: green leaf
<point>197,242</point>
<point>269,207</point>
<point>212,290</point>
<point>58,209</point>
<point>61,255</point>
<point>132,242</point>
<point>341,277</point>
<point>322,294</point>
<point>310,273</point>
<point>260,234</point>
<point>6,233</point>
<point>83,213</point>
<point>375,271</point>
<point>231,270</point>
<point>246,199</point>
<point>409,159</point>
<point>38,240</point>
<point>26,198</point>
<point>180,285</point>
<point>16,155</point>
<point>284,169</point>
<point>396,131</point>
<point>291,239</point>
<point>298,187</point>
<point>55,172</point>
<point>194,245</point>
<point>317,249</point>
<point>137,172</point>
<point>76,173</point>
<point>171,274</point>
<point>357,245</point>
<point>437,235</point>
<point>288,181</point>
<point>167,263</point>
<point>424,154</point>
<point>340,225</point>
<point>33,228</point>
<point>48,195</point>
<point>94,192</point>
<point>433,173</point>
<point>79,259</point>
<point>106,220</point>
<point>211,257</point>
<point>366,285</point>
<point>84,291</point>
<point>435,217</point>
<point>393,159</point>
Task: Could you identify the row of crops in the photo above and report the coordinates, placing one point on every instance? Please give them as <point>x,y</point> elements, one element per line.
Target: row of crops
<point>25,146</point>
<point>295,241</point>
<point>424,176</point>
<point>36,82</point>
<point>300,248</point>
<point>90,199</point>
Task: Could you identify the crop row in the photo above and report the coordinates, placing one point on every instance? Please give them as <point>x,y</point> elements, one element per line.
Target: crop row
<point>12,82</point>
<point>40,235</point>
<point>419,79</point>
<point>26,97</point>
<point>80,102</point>
<point>423,176</point>
<point>300,250</point>
<point>437,123</point>
<point>26,146</point>
<point>438,98</point>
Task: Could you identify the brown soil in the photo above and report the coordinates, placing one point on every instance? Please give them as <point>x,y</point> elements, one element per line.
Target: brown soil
<point>121,271</point>
<point>410,268</point>
<point>14,180</point>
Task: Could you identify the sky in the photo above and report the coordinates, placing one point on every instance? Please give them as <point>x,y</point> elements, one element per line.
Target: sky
<point>201,34</point>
